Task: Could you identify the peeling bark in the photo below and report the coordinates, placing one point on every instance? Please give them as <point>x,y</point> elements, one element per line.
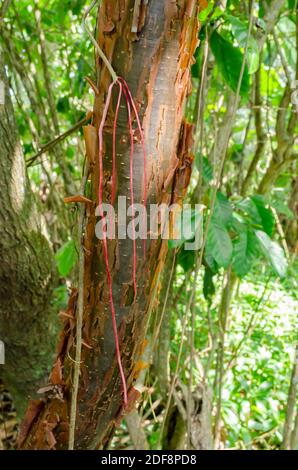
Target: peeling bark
<point>155,61</point>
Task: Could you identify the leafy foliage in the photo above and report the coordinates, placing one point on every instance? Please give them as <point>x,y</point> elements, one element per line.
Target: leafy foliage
<point>244,252</point>
<point>66,258</point>
<point>273,252</point>
<point>229,60</point>
<point>219,244</point>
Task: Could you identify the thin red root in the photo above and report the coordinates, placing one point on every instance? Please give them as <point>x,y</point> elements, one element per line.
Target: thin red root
<point>131,192</point>
<point>144,153</point>
<point>105,245</point>
<point>114,144</point>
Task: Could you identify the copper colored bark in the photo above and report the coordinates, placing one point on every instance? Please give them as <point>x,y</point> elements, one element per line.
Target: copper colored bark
<point>155,61</point>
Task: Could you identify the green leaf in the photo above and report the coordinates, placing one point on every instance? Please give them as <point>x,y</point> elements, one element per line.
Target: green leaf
<point>60,297</point>
<point>240,32</point>
<point>244,252</point>
<point>229,60</point>
<point>236,153</point>
<point>186,259</point>
<point>219,244</point>
<point>292,4</point>
<point>273,252</point>
<point>63,105</point>
<point>239,224</point>
<point>266,215</point>
<point>188,226</point>
<point>283,208</point>
<point>223,211</point>
<point>196,67</point>
<point>255,207</point>
<point>207,170</point>
<point>66,258</point>
<point>208,285</point>
<point>210,262</point>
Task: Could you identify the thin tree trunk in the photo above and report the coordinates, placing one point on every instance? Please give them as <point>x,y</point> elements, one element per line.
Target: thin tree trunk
<point>155,62</point>
<point>224,310</point>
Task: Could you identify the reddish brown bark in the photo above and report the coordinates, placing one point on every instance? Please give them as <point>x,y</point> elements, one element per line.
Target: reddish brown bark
<point>155,61</point>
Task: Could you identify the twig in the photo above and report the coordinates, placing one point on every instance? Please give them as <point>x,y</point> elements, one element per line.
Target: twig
<point>261,135</point>
<point>281,233</point>
<point>79,325</point>
<point>157,331</point>
<point>45,148</point>
<point>4,9</point>
<point>94,42</point>
<point>237,348</point>
<point>229,284</point>
<point>282,57</point>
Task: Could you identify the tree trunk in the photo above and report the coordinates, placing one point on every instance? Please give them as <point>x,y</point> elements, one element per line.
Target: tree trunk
<point>291,404</point>
<point>28,321</point>
<point>155,61</point>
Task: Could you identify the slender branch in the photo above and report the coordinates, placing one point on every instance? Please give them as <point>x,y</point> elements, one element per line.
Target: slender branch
<point>45,68</point>
<point>249,327</point>
<point>270,18</point>
<point>282,57</point>
<point>25,78</point>
<point>26,47</point>
<point>261,135</point>
<point>285,134</point>
<point>94,42</point>
<point>47,147</point>
<point>223,314</point>
<point>4,9</point>
<point>79,325</point>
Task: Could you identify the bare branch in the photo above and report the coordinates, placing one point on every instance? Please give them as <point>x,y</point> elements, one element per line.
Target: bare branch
<point>50,145</point>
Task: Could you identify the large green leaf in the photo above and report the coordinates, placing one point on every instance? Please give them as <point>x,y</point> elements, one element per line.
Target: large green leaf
<point>273,252</point>
<point>265,213</point>
<point>282,208</point>
<point>255,207</point>
<point>229,60</point>
<point>223,210</point>
<point>66,258</point>
<point>219,244</point>
<point>244,252</point>
<point>186,259</point>
<point>240,32</point>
